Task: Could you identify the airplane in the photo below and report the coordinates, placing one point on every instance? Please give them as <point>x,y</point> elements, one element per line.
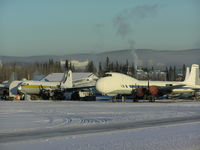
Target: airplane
<point>31,87</point>
<point>3,91</point>
<point>6,84</point>
<point>49,90</point>
<point>114,84</point>
<point>4,87</point>
<point>187,74</point>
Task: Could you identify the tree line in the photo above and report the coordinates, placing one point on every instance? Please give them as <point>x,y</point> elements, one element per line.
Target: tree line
<point>27,70</point>
<point>172,73</point>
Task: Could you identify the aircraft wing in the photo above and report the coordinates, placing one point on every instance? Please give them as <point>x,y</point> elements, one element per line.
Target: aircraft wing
<point>163,90</point>
<point>78,88</point>
<point>172,87</point>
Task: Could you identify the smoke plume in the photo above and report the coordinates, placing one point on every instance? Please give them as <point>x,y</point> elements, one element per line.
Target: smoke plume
<point>124,28</point>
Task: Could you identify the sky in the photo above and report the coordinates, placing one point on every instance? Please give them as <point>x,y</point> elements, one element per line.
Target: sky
<point>59,27</point>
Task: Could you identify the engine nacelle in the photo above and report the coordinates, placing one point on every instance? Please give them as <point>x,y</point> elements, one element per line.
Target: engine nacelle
<point>140,92</point>
<point>153,90</point>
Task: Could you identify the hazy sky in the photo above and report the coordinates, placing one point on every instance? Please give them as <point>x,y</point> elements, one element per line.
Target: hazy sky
<point>38,27</point>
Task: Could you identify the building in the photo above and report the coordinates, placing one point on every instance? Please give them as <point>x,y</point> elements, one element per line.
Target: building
<point>79,78</point>
<point>37,76</point>
<point>151,75</point>
<point>157,75</point>
<point>141,75</point>
<point>75,63</point>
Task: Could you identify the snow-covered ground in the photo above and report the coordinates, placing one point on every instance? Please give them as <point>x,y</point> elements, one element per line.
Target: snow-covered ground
<point>180,137</point>
<point>27,116</point>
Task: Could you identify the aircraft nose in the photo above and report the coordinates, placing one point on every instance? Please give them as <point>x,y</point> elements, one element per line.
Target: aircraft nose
<point>100,86</point>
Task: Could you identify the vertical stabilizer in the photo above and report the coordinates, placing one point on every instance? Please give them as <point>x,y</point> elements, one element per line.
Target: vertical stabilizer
<point>193,78</point>
<point>187,74</point>
<point>67,81</point>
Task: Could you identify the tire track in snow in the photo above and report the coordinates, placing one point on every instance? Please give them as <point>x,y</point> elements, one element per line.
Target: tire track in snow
<point>98,120</point>
<point>89,129</point>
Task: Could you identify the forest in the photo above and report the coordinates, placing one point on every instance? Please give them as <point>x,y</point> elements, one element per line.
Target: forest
<point>26,71</point>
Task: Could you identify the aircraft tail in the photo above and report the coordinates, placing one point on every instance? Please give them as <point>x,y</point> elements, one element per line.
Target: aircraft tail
<point>187,74</point>
<point>67,80</point>
<point>193,78</point>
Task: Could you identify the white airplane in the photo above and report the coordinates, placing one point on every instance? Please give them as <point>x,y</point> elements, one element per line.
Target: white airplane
<point>6,84</point>
<point>114,84</point>
<point>4,87</point>
<point>34,87</point>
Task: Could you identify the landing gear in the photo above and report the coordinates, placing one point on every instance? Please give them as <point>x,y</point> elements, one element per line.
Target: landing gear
<point>51,94</point>
<point>151,98</point>
<point>75,96</point>
<point>197,95</point>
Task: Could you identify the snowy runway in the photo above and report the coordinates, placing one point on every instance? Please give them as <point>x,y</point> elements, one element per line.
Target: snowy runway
<point>64,131</point>
<point>82,125</point>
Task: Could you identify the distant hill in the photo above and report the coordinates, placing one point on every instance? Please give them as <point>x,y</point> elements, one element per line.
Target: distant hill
<point>145,57</point>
